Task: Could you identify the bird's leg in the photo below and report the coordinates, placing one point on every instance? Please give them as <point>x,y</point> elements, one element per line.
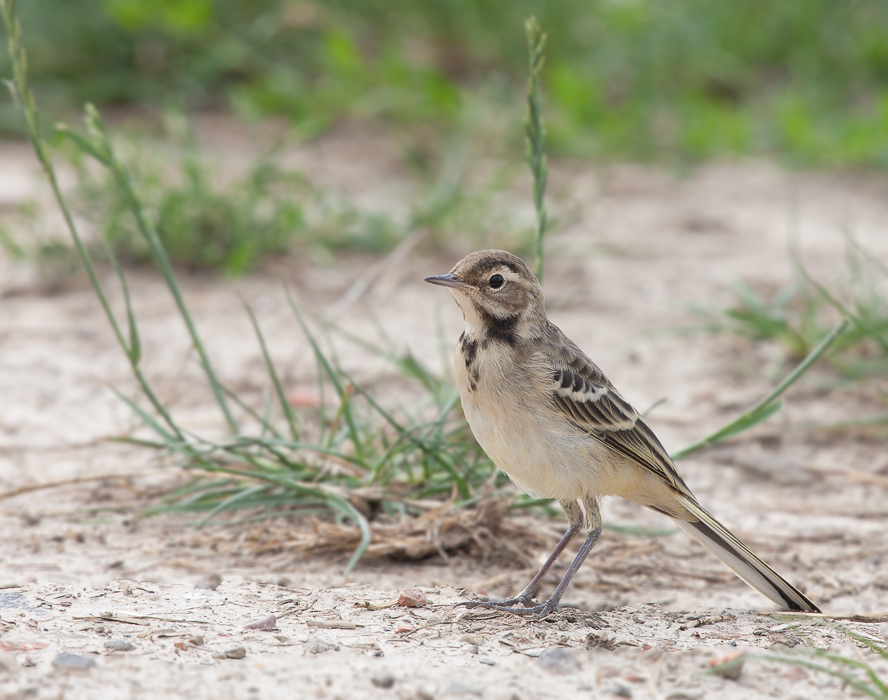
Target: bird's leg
<point>525,598</point>
<point>540,611</point>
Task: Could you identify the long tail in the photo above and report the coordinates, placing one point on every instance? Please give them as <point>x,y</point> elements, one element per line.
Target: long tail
<point>717,539</point>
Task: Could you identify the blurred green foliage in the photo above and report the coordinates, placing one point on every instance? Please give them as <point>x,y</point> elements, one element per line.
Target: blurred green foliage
<point>202,226</point>
<point>798,315</point>
<point>804,79</point>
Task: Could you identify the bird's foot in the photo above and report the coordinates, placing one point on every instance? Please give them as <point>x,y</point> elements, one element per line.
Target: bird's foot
<point>522,599</point>
<point>527,607</point>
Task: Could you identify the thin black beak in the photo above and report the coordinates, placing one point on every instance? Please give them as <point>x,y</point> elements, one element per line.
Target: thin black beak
<point>449,280</point>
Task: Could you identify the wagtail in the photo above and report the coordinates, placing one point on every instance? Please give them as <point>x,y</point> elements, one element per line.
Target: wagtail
<point>549,418</point>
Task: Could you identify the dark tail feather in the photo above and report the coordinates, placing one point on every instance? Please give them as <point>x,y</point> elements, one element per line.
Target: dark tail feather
<point>718,540</point>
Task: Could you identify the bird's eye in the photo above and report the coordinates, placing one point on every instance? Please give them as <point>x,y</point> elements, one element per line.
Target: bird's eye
<point>496,281</point>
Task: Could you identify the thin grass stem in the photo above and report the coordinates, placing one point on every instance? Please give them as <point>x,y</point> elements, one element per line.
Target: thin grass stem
<point>535,134</point>
<point>24,98</point>
<point>272,373</point>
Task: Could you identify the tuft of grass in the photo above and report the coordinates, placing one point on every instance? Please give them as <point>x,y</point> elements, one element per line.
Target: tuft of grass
<point>347,455</point>
<point>797,315</point>
<point>202,225</point>
<point>769,405</point>
<point>787,317</point>
<point>207,223</point>
<point>856,673</point>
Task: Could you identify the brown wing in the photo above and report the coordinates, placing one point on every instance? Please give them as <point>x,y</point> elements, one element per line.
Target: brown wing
<point>586,397</point>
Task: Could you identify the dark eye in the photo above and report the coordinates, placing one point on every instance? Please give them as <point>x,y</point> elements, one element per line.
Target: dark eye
<point>496,281</point>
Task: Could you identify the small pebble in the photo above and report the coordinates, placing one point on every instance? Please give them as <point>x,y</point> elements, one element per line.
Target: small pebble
<point>266,623</point>
<point>623,691</point>
<point>457,688</point>
<point>412,599</point>
<point>332,624</point>
<point>316,645</point>
<point>119,645</point>
<point>66,660</point>
<point>560,661</point>
<point>210,583</point>
<point>383,680</point>
<point>488,662</point>
<point>236,653</point>
<point>196,640</point>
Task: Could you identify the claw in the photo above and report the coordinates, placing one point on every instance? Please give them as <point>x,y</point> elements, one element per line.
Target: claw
<point>524,600</point>
<point>538,611</point>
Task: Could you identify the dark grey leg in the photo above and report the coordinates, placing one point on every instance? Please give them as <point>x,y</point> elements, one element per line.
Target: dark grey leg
<point>525,598</point>
<point>540,611</point>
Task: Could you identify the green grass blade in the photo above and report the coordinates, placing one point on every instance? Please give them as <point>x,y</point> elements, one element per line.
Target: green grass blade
<point>349,510</point>
<point>535,134</point>
<point>263,422</point>
<point>747,421</point>
<point>134,350</point>
<point>344,392</point>
<point>844,677</point>
<point>84,144</point>
<point>272,372</point>
<point>856,319</point>
<point>27,105</point>
<point>146,418</point>
<point>101,141</point>
<point>237,498</point>
<point>854,663</point>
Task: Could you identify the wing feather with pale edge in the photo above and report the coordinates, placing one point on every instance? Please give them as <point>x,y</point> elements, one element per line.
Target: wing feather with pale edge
<point>590,402</point>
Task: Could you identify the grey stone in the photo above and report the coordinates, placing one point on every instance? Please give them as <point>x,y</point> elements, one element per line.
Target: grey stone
<point>266,623</point>
<point>119,645</point>
<point>559,660</point>
<point>457,688</point>
<point>210,583</point>
<point>66,660</point>
<point>316,645</point>
<point>383,680</point>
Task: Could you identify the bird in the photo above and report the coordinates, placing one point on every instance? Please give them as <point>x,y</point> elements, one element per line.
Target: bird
<point>550,419</point>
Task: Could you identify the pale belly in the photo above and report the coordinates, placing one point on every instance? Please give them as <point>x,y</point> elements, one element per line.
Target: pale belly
<point>536,444</point>
<point>540,451</point>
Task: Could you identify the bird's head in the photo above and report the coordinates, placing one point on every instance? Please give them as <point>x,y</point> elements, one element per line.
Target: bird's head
<point>495,289</point>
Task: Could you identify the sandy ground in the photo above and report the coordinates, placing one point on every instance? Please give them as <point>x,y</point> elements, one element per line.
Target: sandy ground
<point>98,602</point>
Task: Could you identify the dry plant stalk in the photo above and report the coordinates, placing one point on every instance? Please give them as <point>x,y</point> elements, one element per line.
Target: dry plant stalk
<point>485,530</point>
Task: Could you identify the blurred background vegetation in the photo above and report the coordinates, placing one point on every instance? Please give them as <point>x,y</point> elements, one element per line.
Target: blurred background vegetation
<point>803,80</point>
